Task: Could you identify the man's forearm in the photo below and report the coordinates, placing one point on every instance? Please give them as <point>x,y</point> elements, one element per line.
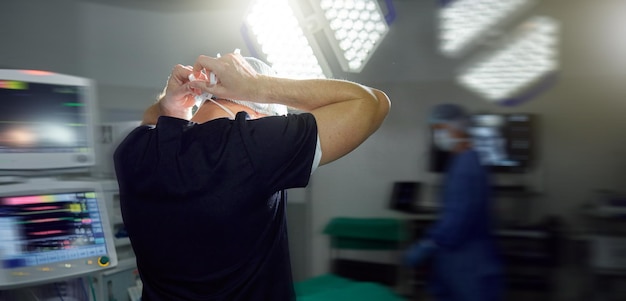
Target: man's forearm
<point>308,95</point>
<point>336,101</point>
<point>346,113</point>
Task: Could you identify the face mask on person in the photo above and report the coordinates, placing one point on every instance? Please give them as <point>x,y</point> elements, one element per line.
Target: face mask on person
<point>443,140</point>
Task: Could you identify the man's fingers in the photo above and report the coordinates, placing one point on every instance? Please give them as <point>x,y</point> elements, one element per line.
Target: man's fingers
<point>204,63</point>
<point>180,74</point>
<point>180,92</point>
<point>209,64</point>
<point>205,86</point>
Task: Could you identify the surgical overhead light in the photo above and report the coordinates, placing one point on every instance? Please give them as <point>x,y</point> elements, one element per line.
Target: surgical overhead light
<point>283,42</point>
<point>355,28</point>
<point>286,31</point>
<point>518,64</point>
<point>465,22</point>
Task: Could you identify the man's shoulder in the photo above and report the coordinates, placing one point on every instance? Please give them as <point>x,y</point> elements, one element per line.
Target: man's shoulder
<point>289,118</point>
<point>292,125</point>
<point>136,134</point>
<point>133,141</point>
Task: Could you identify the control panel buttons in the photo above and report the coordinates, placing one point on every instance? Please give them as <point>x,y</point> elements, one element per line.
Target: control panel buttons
<point>104,261</point>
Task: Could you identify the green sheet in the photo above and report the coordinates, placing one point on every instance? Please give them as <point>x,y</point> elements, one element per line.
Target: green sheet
<point>333,288</point>
<point>320,284</point>
<point>366,233</point>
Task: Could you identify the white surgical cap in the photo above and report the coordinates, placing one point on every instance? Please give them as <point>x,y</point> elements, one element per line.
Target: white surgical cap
<point>271,109</point>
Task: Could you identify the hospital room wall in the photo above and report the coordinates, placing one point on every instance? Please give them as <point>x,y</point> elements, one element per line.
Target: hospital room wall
<point>51,35</point>
<point>128,49</point>
<point>580,141</point>
<point>41,34</point>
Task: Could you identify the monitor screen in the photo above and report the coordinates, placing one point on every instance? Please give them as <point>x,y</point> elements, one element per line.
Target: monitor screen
<point>46,121</point>
<point>504,143</point>
<point>48,228</point>
<point>51,230</point>
<point>405,196</point>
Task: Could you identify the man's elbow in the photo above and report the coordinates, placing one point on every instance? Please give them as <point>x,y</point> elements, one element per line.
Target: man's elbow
<point>383,101</point>
<point>383,106</point>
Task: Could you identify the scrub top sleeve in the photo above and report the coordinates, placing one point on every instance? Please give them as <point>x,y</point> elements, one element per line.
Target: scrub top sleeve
<point>282,148</point>
<point>318,155</point>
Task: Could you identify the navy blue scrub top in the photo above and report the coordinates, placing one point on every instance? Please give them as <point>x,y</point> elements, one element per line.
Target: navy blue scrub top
<point>203,204</point>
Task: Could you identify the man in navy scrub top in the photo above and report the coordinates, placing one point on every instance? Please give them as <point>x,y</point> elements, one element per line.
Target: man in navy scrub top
<point>202,193</point>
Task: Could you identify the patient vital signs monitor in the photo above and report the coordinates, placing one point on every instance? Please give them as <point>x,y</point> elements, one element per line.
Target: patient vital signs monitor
<point>46,121</point>
<point>50,230</point>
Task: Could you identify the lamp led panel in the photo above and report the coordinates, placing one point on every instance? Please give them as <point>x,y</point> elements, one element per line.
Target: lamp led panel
<point>520,61</point>
<point>287,48</point>
<point>464,22</point>
<point>354,28</point>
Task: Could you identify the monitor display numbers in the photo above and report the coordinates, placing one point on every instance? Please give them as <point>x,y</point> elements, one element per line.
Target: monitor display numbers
<point>47,121</point>
<point>40,117</point>
<point>40,229</point>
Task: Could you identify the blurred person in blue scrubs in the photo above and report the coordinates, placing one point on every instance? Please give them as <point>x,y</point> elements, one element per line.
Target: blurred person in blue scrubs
<point>465,261</point>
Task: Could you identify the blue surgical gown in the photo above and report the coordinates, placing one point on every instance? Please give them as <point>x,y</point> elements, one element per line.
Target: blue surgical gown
<point>466,265</point>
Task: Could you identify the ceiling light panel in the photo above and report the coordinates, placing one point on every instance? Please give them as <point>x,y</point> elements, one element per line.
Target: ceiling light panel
<point>464,22</point>
<point>520,61</point>
<point>285,45</point>
<point>355,28</point>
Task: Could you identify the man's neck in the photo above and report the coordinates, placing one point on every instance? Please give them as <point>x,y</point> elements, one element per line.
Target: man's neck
<point>210,111</point>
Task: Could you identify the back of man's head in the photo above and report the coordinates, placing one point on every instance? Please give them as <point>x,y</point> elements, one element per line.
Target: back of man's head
<point>270,109</point>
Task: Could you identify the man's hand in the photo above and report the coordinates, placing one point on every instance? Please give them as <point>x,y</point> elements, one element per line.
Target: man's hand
<point>179,95</point>
<point>235,77</point>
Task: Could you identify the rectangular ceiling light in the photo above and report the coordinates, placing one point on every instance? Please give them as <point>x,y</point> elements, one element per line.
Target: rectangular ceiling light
<point>287,48</point>
<point>355,28</point>
<point>463,23</point>
<point>519,62</point>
